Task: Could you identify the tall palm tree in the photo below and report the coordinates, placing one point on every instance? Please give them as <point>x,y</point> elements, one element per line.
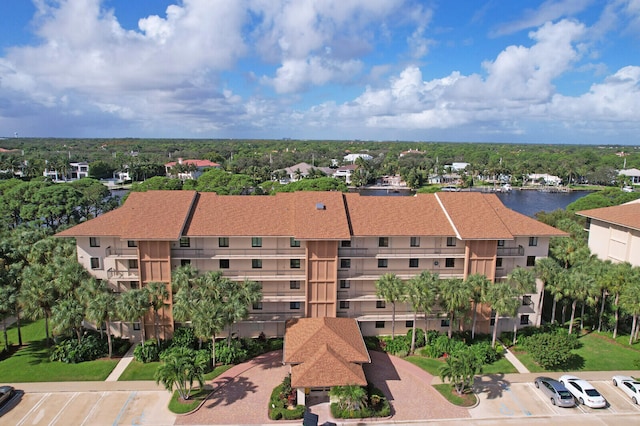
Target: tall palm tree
<point>546,269</point>
<point>132,306</point>
<point>391,288</point>
<point>180,368</point>
<point>454,295</point>
<point>421,293</point>
<point>523,281</point>
<point>502,298</point>
<point>630,303</point>
<point>618,279</point>
<point>66,314</point>
<point>479,284</point>
<point>38,293</point>
<point>8,300</point>
<point>101,307</point>
<point>580,284</point>
<point>158,294</point>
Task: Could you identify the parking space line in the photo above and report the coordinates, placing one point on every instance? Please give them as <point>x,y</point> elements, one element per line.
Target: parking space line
<point>33,409</point>
<point>55,419</point>
<point>624,395</point>
<point>515,399</point>
<point>124,407</point>
<point>95,406</point>
<point>554,408</point>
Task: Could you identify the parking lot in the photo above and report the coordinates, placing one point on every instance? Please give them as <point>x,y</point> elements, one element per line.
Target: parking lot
<point>499,398</point>
<point>89,408</point>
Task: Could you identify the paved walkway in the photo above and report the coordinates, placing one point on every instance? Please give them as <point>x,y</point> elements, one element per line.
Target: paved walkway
<point>515,361</point>
<point>122,365</point>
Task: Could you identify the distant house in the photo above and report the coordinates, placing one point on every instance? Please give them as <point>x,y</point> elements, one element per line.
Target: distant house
<point>545,178</point>
<point>75,171</point>
<point>411,151</point>
<point>633,174</point>
<point>456,167</point>
<point>301,171</point>
<point>351,158</point>
<point>345,172</point>
<point>394,180</point>
<point>188,169</point>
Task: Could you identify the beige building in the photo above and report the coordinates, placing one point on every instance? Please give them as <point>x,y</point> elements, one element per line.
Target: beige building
<point>614,232</point>
<point>316,254</point>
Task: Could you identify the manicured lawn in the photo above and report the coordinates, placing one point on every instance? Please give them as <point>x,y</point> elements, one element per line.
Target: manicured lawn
<point>177,406</point>
<point>139,371</point>
<point>432,366</point>
<point>467,399</point>
<point>501,366</point>
<point>31,362</point>
<point>31,331</point>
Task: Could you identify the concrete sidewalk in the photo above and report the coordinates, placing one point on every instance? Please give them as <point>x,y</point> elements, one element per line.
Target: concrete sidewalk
<point>530,377</point>
<point>48,387</point>
<point>515,361</point>
<point>122,365</point>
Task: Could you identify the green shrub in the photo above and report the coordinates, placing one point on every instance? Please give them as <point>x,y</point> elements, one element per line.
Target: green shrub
<point>373,343</point>
<point>276,344</point>
<point>185,337</point>
<point>420,339</point>
<point>399,345</point>
<point>232,354</point>
<point>149,351</point>
<point>484,352</point>
<point>281,397</point>
<point>551,350</point>
<point>71,351</point>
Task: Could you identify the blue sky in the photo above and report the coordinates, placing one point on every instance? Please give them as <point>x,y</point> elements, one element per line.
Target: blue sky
<point>565,71</point>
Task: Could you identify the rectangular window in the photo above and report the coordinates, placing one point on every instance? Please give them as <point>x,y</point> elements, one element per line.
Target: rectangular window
<point>293,242</point>
<point>95,263</point>
<point>133,263</point>
<point>415,242</point>
<point>94,242</point>
<point>500,243</point>
<point>531,261</point>
<point>294,263</point>
<point>408,324</point>
<point>526,301</point>
<point>444,323</point>
<point>345,263</point>
<point>185,262</point>
<point>256,242</point>
<point>383,263</point>
<point>136,326</point>
<point>256,263</point>
<point>498,262</point>
<point>345,284</point>
<point>185,242</point>
<point>451,241</point>
<point>257,306</point>
<point>380,304</point>
<point>133,285</point>
<point>131,243</point>
<point>224,263</point>
<point>223,242</point>
<point>524,319</point>
<point>413,263</point>
<point>379,324</point>
<point>450,262</point>
<point>294,285</point>
<point>345,243</point>
<point>383,242</point>
<point>533,241</point>
<point>344,304</point>
<point>294,305</point>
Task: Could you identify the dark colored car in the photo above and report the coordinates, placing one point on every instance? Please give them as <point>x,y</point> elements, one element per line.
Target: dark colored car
<point>555,391</point>
<point>6,392</point>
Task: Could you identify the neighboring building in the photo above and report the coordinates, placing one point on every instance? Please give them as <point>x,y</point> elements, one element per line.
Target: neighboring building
<point>189,169</point>
<point>301,171</point>
<point>316,254</point>
<point>545,178</point>
<point>345,172</point>
<point>633,174</point>
<point>614,232</point>
<point>351,158</point>
<point>75,171</point>
<point>456,167</point>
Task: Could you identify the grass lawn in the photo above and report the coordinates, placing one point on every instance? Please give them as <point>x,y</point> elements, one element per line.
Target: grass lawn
<point>432,366</point>
<point>178,406</point>
<point>467,399</point>
<point>139,371</point>
<point>501,366</point>
<point>31,362</point>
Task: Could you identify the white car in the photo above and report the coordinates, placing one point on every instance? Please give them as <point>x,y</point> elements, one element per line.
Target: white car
<point>583,392</point>
<point>629,385</point>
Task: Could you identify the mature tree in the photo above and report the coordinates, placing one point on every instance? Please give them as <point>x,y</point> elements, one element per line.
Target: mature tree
<point>460,368</point>
<point>503,299</point>
<point>479,284</point>
<point>547,270</point>
<point>38,293</point>
<point>8,302</point>
<point>350,397</point>
<point>237,298</point>
<point>180,368</point>
<point>524,281</point>
<point>630,302</point>
<point>619,277</point>
<point>392,289</point>
<point>68,314</point>
<point>454,295</point>
<point>580,283</point>
<point>100,305</point>
<point>421,292</point>
<point>158,294</point>
<point>132,306</point>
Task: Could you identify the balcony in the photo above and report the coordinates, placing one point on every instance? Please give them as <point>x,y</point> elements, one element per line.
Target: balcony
<point>401,253</point>
<point>266,274</point>
<point>355,274</point>
<point>131,274</point>
<point>129,252</point>
<point>250,253</point>
<point>274,316</point>
<point>283,296</point>
<point>510,251</point>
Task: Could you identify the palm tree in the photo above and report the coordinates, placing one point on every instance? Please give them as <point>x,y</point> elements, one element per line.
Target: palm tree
<point>38,293</point>
<point>479,284</point>
<point>392,289</point>
<point>580,284</point>
<point>158,293</point>
<point>350,397</point>
<point>8,301</point>
<point>618,278</point>
<point>502,298</point>
<point>101,307</point>
<point>454,295</point>
<point>421,294</point>
<point>630,303</point>
<point>68,314</point>
<point>546,269</point>
<point>132,306</point>
<point>460,368</point>
<point>180,368</point>
<point>524,281</point>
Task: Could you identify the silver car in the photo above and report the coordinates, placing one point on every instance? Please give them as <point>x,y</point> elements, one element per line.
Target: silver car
<point>555,391</point>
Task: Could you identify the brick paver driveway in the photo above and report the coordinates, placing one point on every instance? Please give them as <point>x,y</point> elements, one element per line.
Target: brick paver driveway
<point>244,390</point>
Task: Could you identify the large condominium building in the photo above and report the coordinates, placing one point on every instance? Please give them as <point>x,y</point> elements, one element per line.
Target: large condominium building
<point>316,254</point>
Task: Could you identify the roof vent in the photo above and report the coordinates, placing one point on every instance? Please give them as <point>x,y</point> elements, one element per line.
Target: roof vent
<point>320,206</point>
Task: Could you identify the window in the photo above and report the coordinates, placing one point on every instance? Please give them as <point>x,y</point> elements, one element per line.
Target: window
<point>185,242</point>
<point>451,241</point>
<point>133,263</point>
<point>131,243</point>
<point>256,263</point>
<point>414,242</point>
<point>383,242</point>
<point>531,261</point>
<point>345,263</point>
<point>499,262</point>
<point>95,263</point>
<point>133,285</point>
<point>294,263</point>
<point>136,326</point>
<point>345,284</point>
<point>294,305</point>
<point>444,323</point>
<point>294,285</point>
<point>256,242</point>
<point>94,242</point>
<point>450,262</point>
<point>185,262</point>
<point>257,306</point>
<point>379,324</point>
<point>345,243</point>
<point>413,263</point>
<point>408,324</point>
<point>533,241</point>
<point>380,304</point>
<point>344,304</point>
<point>293,242</point>
<point>224,264</point>
<point>526,301</point>
<point>223,242</point>
<point>524,319</point>
<point>383,263</point>
<point>500,243</point>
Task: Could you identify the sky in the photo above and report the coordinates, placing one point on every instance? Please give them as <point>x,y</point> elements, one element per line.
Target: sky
<point>526,71</point>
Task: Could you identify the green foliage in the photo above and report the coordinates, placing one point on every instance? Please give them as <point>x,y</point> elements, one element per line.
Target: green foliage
<point>232,354</point>
<point>460,368</point>
<point>372,403</point>
<point>318,184</point>
<point>551,350</point>
<point>148,351</point>
<point>398,346</point>
<point>91,347</point>
<point>420,338</point>
<point>282,398</point>
<point>157,183</point>
<point>605,198</point>
<point>184,337</point>
<point>180,368</point>
<point>224,183</point>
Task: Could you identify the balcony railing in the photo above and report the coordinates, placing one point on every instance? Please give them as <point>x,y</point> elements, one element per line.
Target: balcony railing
<point>250,253</point>
<point>373,274</point>
<point>266,274</point>
<point>118,251</point>
<point>275,316</point>
<point>510,251</point>
<point>402,252</point>
<point>131,274</point>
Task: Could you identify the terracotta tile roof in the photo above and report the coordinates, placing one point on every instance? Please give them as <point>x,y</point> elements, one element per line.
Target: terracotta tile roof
<point>473,216</point>
<point>286,214</point>
<point>152,215</point>
<point>407,216</point>
<point>626,215</point>
<point>519,224</point>
<point>326,368</point>
<point>197,163</point>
